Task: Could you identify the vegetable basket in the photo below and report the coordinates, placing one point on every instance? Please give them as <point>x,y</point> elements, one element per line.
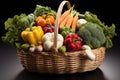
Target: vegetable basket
<point>55,62</point>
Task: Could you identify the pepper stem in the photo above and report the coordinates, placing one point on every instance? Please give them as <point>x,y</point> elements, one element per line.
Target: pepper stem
<point>74,40</point>
<point>31,26</point>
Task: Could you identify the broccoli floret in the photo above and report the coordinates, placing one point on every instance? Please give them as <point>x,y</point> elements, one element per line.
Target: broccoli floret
<point>109,31</point>
<point>92,35</point>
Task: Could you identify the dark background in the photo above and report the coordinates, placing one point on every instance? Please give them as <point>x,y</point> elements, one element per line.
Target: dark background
<point>108,12</point>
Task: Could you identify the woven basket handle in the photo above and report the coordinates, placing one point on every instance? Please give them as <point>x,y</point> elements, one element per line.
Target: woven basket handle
<point>57,21</point>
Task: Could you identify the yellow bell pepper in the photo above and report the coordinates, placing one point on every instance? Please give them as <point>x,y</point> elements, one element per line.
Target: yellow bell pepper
<point>32,35</point>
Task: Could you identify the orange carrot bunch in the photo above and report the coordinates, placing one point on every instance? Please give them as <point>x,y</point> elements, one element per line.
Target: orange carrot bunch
<point>69,19</point>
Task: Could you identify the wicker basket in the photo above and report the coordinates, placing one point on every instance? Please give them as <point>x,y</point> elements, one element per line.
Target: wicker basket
<point>54,62</point>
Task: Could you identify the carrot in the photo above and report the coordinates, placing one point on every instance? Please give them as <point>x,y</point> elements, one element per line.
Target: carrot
<point>74,23</point>
<point>69,21</point>
<point>63,16</point>
<point>63,22</point>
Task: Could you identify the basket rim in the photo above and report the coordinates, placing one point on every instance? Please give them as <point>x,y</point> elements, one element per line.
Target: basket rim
<point>75,53</point>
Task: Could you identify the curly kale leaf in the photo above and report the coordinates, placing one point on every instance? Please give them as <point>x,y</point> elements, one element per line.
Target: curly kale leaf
<point>39,10</point>
<point>14,26</point>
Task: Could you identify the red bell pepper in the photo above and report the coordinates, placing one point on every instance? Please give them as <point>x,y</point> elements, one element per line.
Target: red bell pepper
<point>73,42</point>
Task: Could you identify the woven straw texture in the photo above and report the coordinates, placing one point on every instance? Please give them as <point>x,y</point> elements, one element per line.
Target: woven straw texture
<point>46,62</point>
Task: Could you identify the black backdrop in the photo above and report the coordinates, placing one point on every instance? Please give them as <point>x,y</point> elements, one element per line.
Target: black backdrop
<point>107,11</point>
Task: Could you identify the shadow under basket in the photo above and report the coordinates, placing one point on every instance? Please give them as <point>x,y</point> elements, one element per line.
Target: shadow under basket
<point>71,62</point>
